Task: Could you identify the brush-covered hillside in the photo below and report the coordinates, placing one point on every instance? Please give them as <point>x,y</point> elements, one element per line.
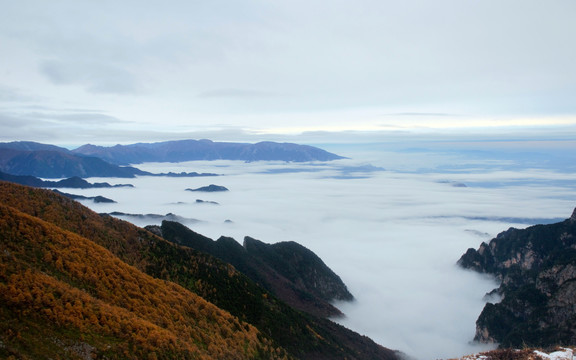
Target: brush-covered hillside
<point>75,284</point>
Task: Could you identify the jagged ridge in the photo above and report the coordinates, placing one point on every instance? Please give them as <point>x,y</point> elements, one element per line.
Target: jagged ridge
<point>287,269</point>
<point>537,270</point>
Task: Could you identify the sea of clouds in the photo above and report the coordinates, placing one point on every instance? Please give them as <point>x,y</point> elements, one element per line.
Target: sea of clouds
<point>391,224</point>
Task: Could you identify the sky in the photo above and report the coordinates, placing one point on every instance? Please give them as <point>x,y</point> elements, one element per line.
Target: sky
<point>470,73</point>
<point>108,72</point>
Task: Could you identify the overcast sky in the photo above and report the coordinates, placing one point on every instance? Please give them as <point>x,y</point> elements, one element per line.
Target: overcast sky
<point>116,71</point>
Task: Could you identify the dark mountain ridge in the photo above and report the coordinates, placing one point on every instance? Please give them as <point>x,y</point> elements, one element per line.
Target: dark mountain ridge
<point>73,182</point>
<point>96,199</point>
<point>536,268</point>
<point>60,164</point>
<point>287,269</point>
<point>71,278</point>
<point>187,150</point>
<point>49,161</point>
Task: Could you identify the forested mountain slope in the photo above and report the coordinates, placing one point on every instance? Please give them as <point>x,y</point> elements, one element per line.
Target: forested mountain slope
<point>54,243</point>
<point>63,295</point>
<point>287,269</point>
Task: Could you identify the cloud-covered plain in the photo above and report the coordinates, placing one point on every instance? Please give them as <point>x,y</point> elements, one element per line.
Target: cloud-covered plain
<point>393,236</point>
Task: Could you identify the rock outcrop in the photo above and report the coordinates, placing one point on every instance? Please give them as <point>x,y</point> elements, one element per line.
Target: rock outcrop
<point>536,268</point>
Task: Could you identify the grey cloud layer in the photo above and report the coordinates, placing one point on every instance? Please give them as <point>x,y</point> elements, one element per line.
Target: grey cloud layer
<point>95,77</point>
<point>486,57</point>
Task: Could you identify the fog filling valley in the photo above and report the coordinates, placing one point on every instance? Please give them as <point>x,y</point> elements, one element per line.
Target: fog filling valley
<point>391,225</point>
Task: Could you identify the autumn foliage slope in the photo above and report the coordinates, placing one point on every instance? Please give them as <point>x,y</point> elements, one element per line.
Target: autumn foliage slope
<point>77,284</point>
<point>55,279</point>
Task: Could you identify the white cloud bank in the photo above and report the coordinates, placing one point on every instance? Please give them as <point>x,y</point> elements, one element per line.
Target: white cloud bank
<point>394,237</point>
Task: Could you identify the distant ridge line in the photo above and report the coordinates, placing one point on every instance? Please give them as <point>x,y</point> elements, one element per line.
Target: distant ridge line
<point>188,150</point>
<point>50,161</point>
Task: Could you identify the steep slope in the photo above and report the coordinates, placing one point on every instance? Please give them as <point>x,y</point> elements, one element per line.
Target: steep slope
<point>537,270</point>
<point>186,150</point>
<point>302,336</point>
<point>63,294</point>
<point>290,271</point>
<point>301,266</point>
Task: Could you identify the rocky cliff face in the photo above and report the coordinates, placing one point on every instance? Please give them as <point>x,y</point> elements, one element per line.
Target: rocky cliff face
<point>536,267</point>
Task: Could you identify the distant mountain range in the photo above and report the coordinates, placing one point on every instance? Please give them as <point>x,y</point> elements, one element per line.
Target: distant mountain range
<point>186,150</point>
<point>49,161</point>
<point>73,182</point>
<point>60,164</point>
<point>536,268</point>
<point>75,285</point>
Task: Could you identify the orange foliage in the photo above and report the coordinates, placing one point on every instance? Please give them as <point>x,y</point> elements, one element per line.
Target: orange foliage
<point>55,274</point>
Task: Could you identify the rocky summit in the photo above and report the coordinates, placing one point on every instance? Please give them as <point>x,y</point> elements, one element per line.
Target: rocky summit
<point>536,268</point>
